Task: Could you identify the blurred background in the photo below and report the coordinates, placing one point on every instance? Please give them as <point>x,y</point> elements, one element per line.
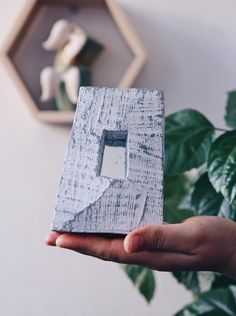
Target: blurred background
<point>191,52</point>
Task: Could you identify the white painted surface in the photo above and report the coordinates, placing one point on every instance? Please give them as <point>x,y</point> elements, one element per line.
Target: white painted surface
<point>192,52</point>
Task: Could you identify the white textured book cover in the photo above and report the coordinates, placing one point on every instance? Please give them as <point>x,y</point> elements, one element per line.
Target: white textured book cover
<point>112,178</point>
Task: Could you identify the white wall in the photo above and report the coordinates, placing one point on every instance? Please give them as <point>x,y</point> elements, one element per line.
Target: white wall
<point>192,53</point>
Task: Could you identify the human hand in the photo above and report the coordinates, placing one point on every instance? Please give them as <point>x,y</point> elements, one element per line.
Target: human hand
<point>200,243</point>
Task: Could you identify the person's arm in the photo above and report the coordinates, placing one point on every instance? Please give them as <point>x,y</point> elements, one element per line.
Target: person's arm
<point>200,243</point>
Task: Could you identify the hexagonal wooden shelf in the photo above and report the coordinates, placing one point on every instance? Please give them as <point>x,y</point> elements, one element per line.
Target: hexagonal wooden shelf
<point>25,58</point>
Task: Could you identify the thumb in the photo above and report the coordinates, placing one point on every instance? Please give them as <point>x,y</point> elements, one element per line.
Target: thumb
<point>170,237</point>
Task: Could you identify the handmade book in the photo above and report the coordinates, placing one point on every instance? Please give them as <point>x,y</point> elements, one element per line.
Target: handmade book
<point>112,178</point>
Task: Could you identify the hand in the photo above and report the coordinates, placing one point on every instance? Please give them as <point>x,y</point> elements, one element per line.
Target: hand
<point>199,243</point>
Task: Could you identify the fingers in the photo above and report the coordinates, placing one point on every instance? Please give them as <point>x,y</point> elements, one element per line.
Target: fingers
<point>50,240</point>
<point>113,250</point>
<point>196,244</point>
<point>169,237</point>
<point>103,248</point>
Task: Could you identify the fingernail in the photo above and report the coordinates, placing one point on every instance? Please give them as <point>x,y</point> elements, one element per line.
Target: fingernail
<point>59,242</point>
<point>133,243</point>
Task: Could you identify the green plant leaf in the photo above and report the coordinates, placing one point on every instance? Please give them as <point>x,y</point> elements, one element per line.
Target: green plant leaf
<point>146,283</point>
<point>202,281</point>
<point>177,215</point>
<point>222,166</point>
<point>189,279</point>
<point>143,279</point>
<point>219,302</point>
<point>227,211</point>
<point>189,136</point>
<point>221,281</point>
<point>198,281</point>
<point>175,190</point>
<point>205,200</point>
<point>230,116</point>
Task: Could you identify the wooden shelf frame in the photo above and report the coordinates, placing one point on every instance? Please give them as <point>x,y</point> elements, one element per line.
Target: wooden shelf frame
<point>24,21</point>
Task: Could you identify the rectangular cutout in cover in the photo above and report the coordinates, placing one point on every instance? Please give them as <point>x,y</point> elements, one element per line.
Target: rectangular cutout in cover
<point>114,154</point>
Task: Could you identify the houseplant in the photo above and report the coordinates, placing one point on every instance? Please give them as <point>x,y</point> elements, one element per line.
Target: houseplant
<point>200,179</point>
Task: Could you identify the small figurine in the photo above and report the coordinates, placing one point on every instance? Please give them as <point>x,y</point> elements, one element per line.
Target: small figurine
<point>75,52</point>
<point>63,86</point>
